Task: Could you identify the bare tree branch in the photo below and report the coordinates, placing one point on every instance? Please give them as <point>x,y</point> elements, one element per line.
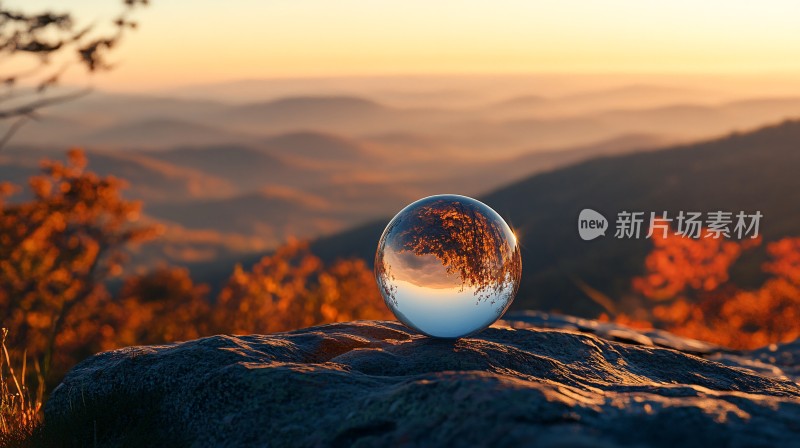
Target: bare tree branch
<point>12,130</point>
<point>46,35</point>
<point>33,106</point>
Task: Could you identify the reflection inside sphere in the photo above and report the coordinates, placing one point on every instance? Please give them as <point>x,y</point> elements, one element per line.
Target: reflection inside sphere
<point>448,266</point>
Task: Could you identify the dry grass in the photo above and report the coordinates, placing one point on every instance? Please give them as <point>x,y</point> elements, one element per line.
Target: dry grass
<point>19,406</point>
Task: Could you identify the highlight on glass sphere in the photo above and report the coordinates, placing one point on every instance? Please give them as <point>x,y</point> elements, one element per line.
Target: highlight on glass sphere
<point>448,266</point>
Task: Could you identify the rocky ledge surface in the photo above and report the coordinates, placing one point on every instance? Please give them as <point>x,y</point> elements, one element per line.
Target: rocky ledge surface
<point>577,383</point>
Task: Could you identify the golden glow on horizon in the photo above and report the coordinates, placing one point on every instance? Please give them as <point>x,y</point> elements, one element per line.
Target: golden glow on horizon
<point>207,42</point>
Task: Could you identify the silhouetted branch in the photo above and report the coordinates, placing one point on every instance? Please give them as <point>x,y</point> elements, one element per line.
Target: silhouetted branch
<point>12,130</point>
<point>33,106</point>
<point>46,35</point>
<point>28,111</point>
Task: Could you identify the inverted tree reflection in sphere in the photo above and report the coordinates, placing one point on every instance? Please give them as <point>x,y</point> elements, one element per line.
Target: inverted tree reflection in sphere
<point>448,266</point>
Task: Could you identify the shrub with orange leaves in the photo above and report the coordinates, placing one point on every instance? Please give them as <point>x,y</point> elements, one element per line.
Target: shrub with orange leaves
<point>163,305</point>
<point>678,263</point>
<point>293,289</point>
<point>347,291</point>
<point>688,280</point>
<point>57,249</point>
<point>786,259</point>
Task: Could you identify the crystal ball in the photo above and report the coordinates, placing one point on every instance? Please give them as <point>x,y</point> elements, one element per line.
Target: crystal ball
<point>448,266</point>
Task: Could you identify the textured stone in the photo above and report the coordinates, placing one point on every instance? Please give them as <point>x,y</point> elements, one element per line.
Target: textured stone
<point>379,384</point>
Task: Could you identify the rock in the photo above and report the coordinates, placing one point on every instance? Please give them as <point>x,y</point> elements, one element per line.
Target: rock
<point>378,384</point>
<point>776,360</point>
<point>609,330</point>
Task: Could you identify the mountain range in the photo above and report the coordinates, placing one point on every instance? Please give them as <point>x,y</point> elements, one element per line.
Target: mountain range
<point>232,177</point>
<point>754,171</point>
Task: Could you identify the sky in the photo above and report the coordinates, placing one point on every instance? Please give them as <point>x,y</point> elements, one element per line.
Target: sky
<point>205,41</point>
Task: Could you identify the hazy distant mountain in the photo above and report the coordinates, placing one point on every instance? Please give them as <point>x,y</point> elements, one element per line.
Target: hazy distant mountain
<point>474,90</point>
<point>350,196</point>
<point>510,137</point>
<point>74,122</point>
<point>260,160</point>
<point>364,199</point>
<point>159,133</point>
<point>681,121</point>
<point>149,179</point>
<point>636,96</point>
<point>691,119</point>
<point>521,105</point>
<point>613,146</point>
<point>419,90</point>
<point>317,112</point>
<point>317,146</point>
<point>337,114</point>
<point>243,166</point>
<point>104,108</point>
<point>542,119</point>
<point>756,171</point>
<point>156,181</point>
<point>499,173</point>
<point>273,214</point>
<point>764,107</point>
<point>53,129</point>
<point>305,107</point>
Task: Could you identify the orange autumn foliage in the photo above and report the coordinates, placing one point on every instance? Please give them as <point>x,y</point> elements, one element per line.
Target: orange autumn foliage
<point>626,320</point>
<point>56,250</point>
<point>293,289</point>
<point>689,283</point>
<point>678,263</point>
<point>160,306</point>
<point>59,249</point>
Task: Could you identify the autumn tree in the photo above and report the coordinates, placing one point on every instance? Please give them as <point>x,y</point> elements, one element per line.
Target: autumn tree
<point>57,249</point>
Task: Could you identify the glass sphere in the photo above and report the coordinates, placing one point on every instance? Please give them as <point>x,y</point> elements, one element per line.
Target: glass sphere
<point>448,266</point>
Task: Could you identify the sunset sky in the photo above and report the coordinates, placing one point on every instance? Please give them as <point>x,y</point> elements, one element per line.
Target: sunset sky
<point>200,41</point>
